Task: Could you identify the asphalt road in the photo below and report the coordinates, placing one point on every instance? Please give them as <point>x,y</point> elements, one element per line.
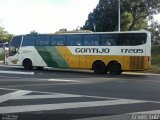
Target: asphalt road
<point>70,94</point>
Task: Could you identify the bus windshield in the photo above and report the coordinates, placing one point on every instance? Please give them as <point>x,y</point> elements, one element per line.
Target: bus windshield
<point>14,45</point>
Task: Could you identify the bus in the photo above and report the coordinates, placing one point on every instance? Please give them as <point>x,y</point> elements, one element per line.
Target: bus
<point>102,52</point>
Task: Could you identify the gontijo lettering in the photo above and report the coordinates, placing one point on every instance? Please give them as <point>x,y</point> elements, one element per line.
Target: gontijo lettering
<point>92,50</point>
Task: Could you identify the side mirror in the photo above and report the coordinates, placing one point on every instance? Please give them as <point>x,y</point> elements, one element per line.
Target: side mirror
<point>4,44</point>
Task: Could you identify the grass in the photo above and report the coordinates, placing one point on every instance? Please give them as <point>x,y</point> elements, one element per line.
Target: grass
<point>156,55</point>
<point>155,60</point>
<point>154,69</point>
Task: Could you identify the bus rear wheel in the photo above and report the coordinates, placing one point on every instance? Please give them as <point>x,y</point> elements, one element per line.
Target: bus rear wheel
<point>99,68</point>
<point>114,68</point>
<point>27,63</point>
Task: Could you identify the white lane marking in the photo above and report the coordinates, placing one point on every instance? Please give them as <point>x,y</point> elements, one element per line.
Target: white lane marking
<point>10,66</point>
<point>136,73</point>
<point>151,81</point>
<point>122,81</point>
<point>63,80</point>
<point>51,93</point>
<point>21,94</point>
<point>13,95</point>
<point>31,108</point>
<point>147,112</point>
<point>46,96</point>
<point>11,77</point>
<point>17,72</point>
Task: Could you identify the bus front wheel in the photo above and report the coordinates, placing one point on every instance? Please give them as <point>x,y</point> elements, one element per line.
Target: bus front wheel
<point>114,68</point>
<point>99,67</point>
<point>27,63</point>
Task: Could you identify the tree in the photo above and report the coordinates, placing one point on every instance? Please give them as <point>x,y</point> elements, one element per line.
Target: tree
<point>4,35</point>
<point>134,15</point>
<point>141,11</point>
<point>154,28</point>
<point>63,30</point>
<point>33,32</point>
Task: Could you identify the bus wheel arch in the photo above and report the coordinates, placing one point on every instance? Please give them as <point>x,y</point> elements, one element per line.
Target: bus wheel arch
<point>99,67</point>
<point>114,67</point>
<point>27,64</point>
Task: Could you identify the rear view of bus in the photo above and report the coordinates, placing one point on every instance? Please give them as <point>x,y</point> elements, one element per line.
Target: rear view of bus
<point>102,52</point>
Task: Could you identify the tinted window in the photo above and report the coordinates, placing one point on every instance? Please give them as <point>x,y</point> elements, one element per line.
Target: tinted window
<point>58,40</point>
<point>14,45</point>
<point>16,41</point>
<point>28,41</point>
<point>138,39</point>
<point>74,40</point>
<point>92,40</point>
<point>132,39</point>
<point>109,40</point>
<point>43,40</point>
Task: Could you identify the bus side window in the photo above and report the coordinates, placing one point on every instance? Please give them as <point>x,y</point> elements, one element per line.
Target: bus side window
<point>74,40</point>
<point>58,40</point>
<point>143,38</point>
<point>28,41</point>
<point>138,39</point>
<point>92,40</point>
<point>125,39</point>
<point>43,40</point>
<point>132,39</point>
<point>109,40</point>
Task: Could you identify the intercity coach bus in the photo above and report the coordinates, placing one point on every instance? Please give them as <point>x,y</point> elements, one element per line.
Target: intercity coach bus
<point>102,52</point>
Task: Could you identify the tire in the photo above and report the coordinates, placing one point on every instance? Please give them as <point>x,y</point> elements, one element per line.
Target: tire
<point>27,63</point>
<point>114,68</point>
<point>39,68</point>
<point>99,68</point>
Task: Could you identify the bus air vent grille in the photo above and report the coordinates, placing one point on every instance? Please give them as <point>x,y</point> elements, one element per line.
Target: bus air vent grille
<point>136,63</point>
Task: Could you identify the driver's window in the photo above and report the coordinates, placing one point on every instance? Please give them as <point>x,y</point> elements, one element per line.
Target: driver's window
<point>14,45</point>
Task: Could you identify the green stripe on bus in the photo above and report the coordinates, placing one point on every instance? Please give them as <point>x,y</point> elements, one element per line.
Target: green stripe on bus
<point>46,56</point>
<point>51,56</point>
<point>57,57</point>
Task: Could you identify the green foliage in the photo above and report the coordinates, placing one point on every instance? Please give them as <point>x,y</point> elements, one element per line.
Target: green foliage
<point>4,35</point>
<point>134,15</point>
<point>1,56</point>
<point>126,21</point>
<point>156,55</point>
<point>33,32</point>
<point>155,60</point>
<point>154,28</point>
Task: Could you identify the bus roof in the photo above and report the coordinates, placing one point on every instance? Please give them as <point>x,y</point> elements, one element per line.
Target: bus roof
<point>86,32</point>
